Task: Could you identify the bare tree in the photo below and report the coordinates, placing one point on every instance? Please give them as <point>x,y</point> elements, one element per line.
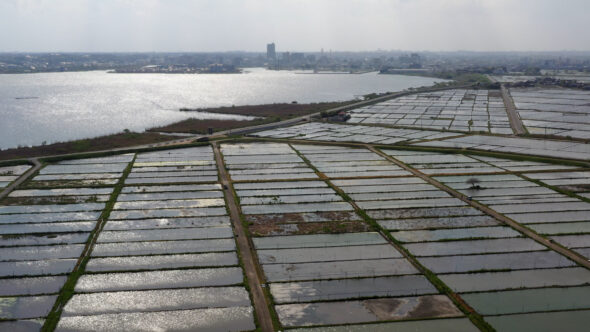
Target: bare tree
<point>474,182</point>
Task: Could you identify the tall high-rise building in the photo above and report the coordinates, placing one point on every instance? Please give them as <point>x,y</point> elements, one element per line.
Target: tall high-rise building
<point>270,51</point>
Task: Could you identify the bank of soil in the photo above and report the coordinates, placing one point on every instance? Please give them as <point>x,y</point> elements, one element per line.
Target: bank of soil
<point>87,145</point>
<point>267,113</point>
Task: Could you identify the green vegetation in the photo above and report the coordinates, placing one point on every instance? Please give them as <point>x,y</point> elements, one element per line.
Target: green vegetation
<point>121,140</point>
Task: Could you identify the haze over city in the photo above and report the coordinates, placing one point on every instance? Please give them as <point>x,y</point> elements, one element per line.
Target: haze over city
<point>306,25</point>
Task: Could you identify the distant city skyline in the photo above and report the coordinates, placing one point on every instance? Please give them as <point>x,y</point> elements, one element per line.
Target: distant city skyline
<point>304,25</point>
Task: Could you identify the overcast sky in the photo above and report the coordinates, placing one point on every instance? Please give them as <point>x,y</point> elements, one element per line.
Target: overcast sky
<point>296,25</point>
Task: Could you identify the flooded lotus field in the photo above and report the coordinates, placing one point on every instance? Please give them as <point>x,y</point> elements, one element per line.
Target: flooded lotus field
<point>167,249</point>
<point>43,233</point>
<point>471,252</point>
<point>542,209</point>
<point>456,110</point>
<point>563,112</point>
<point>320,259</point>
<point>344,238</point>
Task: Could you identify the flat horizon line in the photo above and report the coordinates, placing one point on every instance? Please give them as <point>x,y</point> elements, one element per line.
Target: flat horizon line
<point>298,51</point>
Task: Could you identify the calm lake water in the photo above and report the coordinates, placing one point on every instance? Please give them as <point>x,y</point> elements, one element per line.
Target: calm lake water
<point>55,107</point>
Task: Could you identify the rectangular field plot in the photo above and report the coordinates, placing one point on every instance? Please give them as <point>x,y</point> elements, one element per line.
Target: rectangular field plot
<point>26,307</point>
<point>158,262</point>
<point>162,247</point>
<point>473,247</point>
<point>318,241</point>
<point>425,212</point>
<point>323,290</point>
<point>373,310</point>
<point>214,319</point>
<point>338,270</point>
<point>40,252</point>
<point>294,208</point>
<point>83,169</point>
<point>512,261</point>
<point>61,192</point>
<point>562,228</point>
<point>165,234</point>
<point>170,204</point>
<point>168,213</point>
<point>487,281</point>
<point>530,300</point>
<point>162,223</point>
<point>159,279</point>
<point>441,222</point>
<point>327,254</point>
<point>169,195</point>
<point>155,300</point>
<point>445,324</point>
<point>169,188</point>
<point>47,217</point>
<point>37,268</point>
<point>41,239</point>
<point>547,321</point>
<point>31,285</point>
<point>521,165</point>
<point>51,208</point>
<point>172,179</point>
<point>455,234</point>
<point>414,203</point>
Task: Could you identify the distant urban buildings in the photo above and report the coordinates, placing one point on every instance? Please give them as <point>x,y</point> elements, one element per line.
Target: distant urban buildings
<point>271,53</point>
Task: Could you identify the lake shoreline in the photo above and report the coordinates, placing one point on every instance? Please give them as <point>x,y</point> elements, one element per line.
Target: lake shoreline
<point>265,113</point>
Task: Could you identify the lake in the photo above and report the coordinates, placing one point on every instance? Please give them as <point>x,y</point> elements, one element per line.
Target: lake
<point>57,107</point>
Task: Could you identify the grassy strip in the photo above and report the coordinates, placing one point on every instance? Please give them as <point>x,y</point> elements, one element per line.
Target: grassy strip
<point>67,290</point>
<point>16,162</point>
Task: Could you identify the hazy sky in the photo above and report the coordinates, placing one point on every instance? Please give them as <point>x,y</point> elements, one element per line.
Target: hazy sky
<point>300,25</point>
